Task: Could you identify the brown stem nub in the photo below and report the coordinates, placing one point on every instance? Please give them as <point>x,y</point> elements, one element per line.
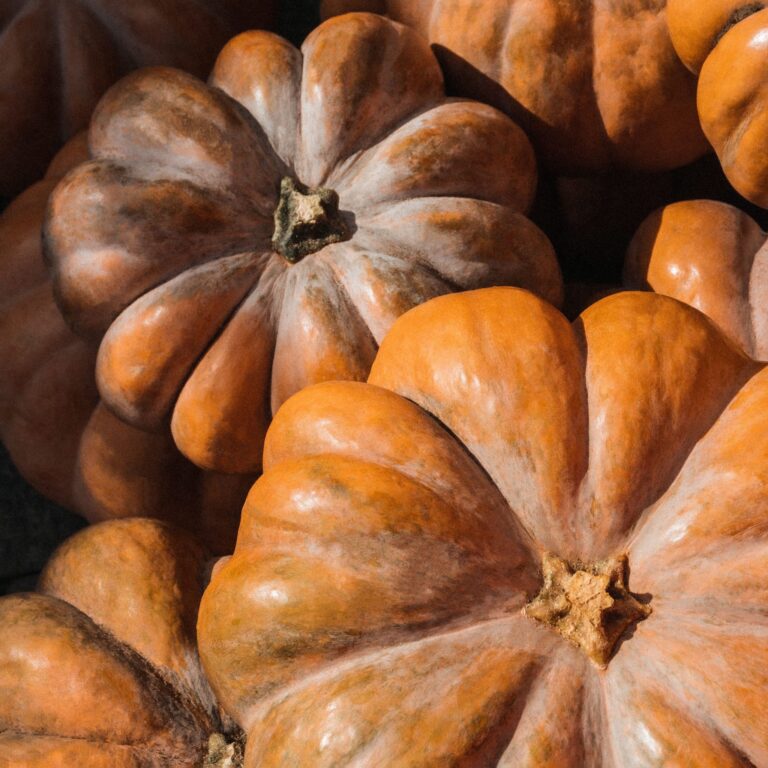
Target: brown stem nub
<point>306,220</point>
<point>223,753</point>
<point>589,605</point>
<point>739,14</point>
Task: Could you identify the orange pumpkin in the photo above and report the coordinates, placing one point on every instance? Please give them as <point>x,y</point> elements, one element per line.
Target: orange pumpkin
<point>726,41</point>
<point>595,84</point>
<point>63,441</point>
<point>712,256</point>
<point>235,243</point>
<point>101,667</point>
<point>60,56</point>
<point>521,543</point>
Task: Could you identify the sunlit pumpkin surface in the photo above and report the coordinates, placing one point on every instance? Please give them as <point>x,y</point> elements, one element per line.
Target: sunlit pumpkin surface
<point>423,570</point>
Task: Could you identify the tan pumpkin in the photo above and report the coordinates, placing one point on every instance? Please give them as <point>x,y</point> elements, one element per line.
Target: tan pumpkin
<point>726,42</point>
<point>237,242</point>
<point>521,543</point>
<point>60,56</point>
<point>63,441</point>
<point>710,255</point>
<point>595,84</point>
<point>101,667</point>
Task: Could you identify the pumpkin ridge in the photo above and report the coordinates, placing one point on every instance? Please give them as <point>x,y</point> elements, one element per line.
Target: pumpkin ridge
<point>339,176</point>
<point>350,301</point>
<point>332,668</point>
<point>218,329</point>
<point>694,701</point>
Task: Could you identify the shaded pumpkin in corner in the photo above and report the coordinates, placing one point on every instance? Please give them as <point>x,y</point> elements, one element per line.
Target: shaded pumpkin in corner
<point>521,543</point>
<point>235,243</point>
<point>64,442</point>
<point>60,56</point>
<point>100,666</point>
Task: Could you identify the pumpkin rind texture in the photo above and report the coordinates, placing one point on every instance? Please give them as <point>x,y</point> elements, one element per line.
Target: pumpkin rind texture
<point>64,442</point>
<point>60,56</point>
<point>725,41</point>
<point>712,256</point>
<point>373,610</point>
<point>100,667</point>
<point>595,84</point>
<point>163,243</point>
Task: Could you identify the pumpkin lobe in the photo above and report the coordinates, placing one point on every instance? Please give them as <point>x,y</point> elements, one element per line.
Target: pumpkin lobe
<point>223,753</point>
<point>306,220</point>
<point>741,13</point>
<point>589,605</point>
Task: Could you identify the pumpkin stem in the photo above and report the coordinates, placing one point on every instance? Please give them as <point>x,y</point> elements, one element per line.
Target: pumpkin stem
<point>741,13</point>
<point>306,220</point>
<point>223,753</point>
<point>589,605</point>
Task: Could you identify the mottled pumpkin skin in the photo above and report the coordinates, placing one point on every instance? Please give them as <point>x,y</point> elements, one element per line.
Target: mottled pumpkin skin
<point>62,439</point>
<point>371,612</point>
<point>595,84</point>
<point>60,56</point>
<point>726,41</point>
<point>710,255</point>
<point>100,667</point>
<point>162,244</point>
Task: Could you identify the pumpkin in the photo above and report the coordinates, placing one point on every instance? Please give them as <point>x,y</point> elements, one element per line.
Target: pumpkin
<point>237,242</point>
<point>726,41</point>
<point>100,668</point>
<point>64,442</point>
<point>596,85</point>
<point>60,56</point>
<point>712,256</point>
<point>520,543</point>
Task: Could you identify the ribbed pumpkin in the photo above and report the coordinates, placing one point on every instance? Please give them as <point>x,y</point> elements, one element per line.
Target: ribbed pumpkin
<point>712,256</point>
<point>521,543</point>
<point>63,441</point>
<point>237,242</point>
<point>60,56</point>
<point>595,84</point>
<point>101,667</point>
<point>726,42</point>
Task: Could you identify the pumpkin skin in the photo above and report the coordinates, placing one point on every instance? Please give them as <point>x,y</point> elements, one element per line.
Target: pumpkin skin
<point>63,441</point>
<point>727,43</point>
<point>60,56</point>
<point>595,85</point>
<point>101,667</point>
<point>371,612</point>
<point>204,321</point>
<point>712,256</point>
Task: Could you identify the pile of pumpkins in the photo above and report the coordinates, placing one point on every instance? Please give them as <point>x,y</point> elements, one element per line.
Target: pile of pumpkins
<point>362,495</point>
